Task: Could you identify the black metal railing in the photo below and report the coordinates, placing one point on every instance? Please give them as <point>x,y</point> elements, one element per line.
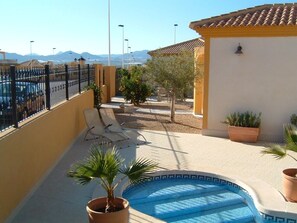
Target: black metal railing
<point>25,92</point>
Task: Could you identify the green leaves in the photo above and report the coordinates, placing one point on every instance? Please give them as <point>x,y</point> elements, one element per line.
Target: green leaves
<point>97,94</point>
<point>246,119</point>
<point>132,85</point>
<point>138,170</point>
<point>173,72</point>
<point>104,166</point>
<point>290,137</point>
<point>278,151</point>
<point>107,166</point>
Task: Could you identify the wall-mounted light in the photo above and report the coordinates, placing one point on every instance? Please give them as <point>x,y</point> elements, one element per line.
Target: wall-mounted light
<point>239,50</point>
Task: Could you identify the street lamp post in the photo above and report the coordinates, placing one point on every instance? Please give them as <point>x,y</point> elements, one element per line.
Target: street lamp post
<point>108,32</point>
<point>175,25</point>
<point>32,41</point>
<point>127,40</point>
<point>53,58</point>
<point>123,46</point>
<point>129,55</point>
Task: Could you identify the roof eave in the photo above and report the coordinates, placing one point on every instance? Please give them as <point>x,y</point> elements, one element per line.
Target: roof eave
<point>193,25</point>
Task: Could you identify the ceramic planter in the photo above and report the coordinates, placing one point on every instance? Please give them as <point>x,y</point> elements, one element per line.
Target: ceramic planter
<point>290,184</point>
<point>121,216</point>
<point>243,134</point>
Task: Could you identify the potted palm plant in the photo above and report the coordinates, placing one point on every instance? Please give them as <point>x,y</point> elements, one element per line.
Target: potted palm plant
<point>278,151</point>
<point>108,168</point>
<point>243,127</point>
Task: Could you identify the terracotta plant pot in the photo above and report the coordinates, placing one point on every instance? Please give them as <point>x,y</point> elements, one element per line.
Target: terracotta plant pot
<point>121,216</point>
<point>243,134</point>
<point>290,184</point>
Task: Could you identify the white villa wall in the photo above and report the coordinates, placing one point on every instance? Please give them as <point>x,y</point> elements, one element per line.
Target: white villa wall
<point>262,79</point>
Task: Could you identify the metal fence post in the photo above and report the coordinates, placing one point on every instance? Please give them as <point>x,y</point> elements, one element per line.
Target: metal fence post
<point>66,81</point>
<point>13,97</point>
<point>47,87</point>
<point>88,74</point>
<point>79,77</point>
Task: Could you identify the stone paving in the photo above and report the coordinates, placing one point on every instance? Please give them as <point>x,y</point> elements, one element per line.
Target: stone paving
<point>59,199</point>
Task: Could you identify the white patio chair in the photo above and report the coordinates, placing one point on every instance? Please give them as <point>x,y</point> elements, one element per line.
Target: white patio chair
<point>110,121</point>
<point>98,130</point>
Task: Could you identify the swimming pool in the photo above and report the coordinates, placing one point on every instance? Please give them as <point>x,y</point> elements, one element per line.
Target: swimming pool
<point>180,198</point>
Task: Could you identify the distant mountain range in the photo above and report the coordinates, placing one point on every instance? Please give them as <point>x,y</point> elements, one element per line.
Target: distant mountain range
<point>137,57</point>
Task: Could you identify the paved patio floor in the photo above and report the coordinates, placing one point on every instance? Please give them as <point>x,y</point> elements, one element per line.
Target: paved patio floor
<point>60,199</point>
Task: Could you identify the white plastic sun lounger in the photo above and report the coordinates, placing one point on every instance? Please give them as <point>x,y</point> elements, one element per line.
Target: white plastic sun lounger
<point>110,121</point>
<point>97,129</point>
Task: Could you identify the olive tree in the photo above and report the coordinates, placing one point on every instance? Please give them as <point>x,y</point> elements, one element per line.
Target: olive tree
<point>175,73</point>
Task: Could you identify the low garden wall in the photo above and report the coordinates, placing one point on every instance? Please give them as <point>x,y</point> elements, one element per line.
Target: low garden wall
<point>30,151</point>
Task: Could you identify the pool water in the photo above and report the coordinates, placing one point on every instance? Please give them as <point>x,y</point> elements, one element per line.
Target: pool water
<point>192,200</point>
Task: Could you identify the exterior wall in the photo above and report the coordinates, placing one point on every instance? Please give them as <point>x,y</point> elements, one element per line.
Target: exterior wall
<point>27,153</point>
<point>110,81</point>
<point>262,79</point>
<point>198,84</point>
<point>99,74</point>
<point>105,78</point>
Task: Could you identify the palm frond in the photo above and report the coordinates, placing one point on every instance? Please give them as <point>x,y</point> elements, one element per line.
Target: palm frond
<point>80,174</point>
<point>277,151</point>
<point>94,166</point>
<point>291,137</point>
<point>139,169</point>
<point>106,166</point>
<point>113,163</point>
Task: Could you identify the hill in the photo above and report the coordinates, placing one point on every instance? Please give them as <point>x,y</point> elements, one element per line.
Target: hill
<point>63,57</point>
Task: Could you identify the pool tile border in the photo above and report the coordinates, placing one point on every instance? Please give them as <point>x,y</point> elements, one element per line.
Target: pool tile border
<point>216,180</point>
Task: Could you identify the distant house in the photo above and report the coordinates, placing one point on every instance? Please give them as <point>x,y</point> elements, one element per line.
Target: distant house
<point>250,64</point>
<point>189,45</point>
<point>32,63</point>
<point>5,63</point>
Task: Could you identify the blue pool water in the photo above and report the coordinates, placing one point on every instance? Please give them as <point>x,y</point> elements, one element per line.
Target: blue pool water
<point>192,200</point>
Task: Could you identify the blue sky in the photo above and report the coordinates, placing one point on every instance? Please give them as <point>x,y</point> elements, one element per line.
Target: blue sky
<point>82,25</point>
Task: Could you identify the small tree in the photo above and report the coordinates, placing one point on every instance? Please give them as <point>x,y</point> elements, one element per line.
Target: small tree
<point>175,73</point>
<point>132,85</point>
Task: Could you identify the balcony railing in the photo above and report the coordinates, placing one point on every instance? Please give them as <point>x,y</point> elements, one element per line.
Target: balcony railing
<point>25,92</point>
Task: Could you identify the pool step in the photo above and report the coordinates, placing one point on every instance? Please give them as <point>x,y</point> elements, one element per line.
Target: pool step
<point>176,206</point>
<point>143,196</point>
<point>230,214</point>
<point>190,201</point>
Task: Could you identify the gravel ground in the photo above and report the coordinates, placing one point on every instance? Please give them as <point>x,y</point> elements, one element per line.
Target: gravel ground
<point>185,123</point>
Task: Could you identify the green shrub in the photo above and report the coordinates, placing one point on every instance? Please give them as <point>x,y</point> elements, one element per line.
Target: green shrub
<point>97,94</point>
<point>132,86</point>
<point>246,119</point>
<point>293,119</point>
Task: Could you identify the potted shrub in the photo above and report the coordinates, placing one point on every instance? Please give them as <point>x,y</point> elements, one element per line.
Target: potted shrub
<point>243,127</point>
<point>108,168</point>
<point>278,151</point>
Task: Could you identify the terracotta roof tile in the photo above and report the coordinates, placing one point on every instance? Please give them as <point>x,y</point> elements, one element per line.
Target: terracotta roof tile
<point>264,15</point>
<point>177,48</point>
